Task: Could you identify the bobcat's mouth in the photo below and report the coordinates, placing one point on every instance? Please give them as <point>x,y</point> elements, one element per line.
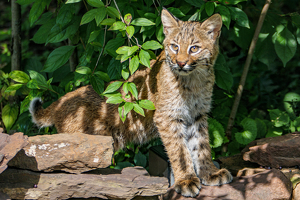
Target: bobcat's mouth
<point>185,70</point>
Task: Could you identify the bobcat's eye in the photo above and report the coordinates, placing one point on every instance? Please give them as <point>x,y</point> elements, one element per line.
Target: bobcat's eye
<point>194,49</point>
<point>174,47</point>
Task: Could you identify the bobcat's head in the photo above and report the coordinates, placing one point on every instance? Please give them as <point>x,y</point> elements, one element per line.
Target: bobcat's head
<point>190,45</point>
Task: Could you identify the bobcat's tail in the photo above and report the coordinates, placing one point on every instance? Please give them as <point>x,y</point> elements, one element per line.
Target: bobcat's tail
<point>38,114</point>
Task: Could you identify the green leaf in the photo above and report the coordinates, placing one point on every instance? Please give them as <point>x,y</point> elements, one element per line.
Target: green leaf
<point>127,19</point>
<point>113,44</point>
<point>285,45</point>
<point>58,58</point>
<point>114,69</point>
<point>24,2</point>
<point>153,45</point>
<point>239,16</point>
<point>140,159</point>
<point>134,64</point>
<point>41,35</point>
<point>73,1</point>
<point>115,100</point>
<point>89,16</point>
<point>130,31</point>
<point>138,109</point>
<point>58,33</point>
<point>176,12</point>
<point>231,2</point>
<point>290,102</point>
<point>133,90</point>
<point>108,21</point>
<point>95,3</point>
<point>102,75</point>
<point>149,105</point>
<point>142,22</point>
<point>33,84</point>
<point>250,131</point>
<point>112,11</point>
<point>216,133</point>
<point>13,87</point>
<point>118,25</point>
<point>113,87</point>
<point>128,106</point>
<point>94,35</point>
<point>40,79</point>
<point>195,3</point>
<point>97,84</point>
<point>225,13</point>
<point>209,8</point>
<point>132,50</point>
<point>101,13</point>
<point>279,118</point>
<point>125,87</point>
<point>298,35</point>
<point>144,58</point>
<point>65,14</point>
<point>224,80</point>
<point>83,70</point>
<point>37,9</point>
<point>123,50</point>
<point>125,73</point>
<point>9,115</point>
<point>19,76</point>
<point>261,128</point>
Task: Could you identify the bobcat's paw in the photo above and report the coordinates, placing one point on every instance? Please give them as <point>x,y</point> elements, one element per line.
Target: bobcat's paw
<point>188,187</point>
<point>219,177</point>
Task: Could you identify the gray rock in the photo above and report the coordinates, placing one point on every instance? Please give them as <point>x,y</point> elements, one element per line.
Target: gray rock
<point>107,184</point>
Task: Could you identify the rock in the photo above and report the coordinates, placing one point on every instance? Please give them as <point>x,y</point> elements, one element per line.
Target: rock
<point>126,184</point>
<point>9,147</point>
<point>267,185</point>
<point>275,152</point>
<point>235,163</point>
<point>74,153</point>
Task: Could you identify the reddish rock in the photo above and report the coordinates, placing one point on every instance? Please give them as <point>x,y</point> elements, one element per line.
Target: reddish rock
<point>9,146</point>
<point>267,185</point>
<point>129,183</point>
<point>275,152</point>
<point>74,153</point>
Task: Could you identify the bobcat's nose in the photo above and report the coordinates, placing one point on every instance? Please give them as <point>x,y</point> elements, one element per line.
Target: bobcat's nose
<point>181,64</point>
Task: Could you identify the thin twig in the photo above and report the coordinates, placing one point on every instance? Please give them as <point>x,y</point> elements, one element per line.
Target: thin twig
<point>246,69</point>
<point>101,49</point>
<point>119,11</point>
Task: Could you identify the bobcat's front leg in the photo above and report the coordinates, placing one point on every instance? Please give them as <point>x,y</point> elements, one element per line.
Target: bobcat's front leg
<point>172,134</point>
<point>198,143</point>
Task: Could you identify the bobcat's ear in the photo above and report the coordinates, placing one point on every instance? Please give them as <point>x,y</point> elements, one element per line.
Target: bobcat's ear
<point>213,26</point>
<point>169,21</point>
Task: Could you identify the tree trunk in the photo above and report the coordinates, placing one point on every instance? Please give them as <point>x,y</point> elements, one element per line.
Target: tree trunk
<point>15,36</point>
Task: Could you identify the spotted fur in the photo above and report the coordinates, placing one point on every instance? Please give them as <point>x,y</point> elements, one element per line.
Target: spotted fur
<point>180,84</point>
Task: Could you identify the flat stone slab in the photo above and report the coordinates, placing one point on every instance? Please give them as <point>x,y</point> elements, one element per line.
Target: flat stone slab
<point>275,152</point>
<point>267,185</point>
<point>74,153</point>
<point>110,184</point>
<point>9,147</point>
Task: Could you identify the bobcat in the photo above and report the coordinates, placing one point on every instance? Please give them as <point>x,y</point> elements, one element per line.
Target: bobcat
<point>179,83</point>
